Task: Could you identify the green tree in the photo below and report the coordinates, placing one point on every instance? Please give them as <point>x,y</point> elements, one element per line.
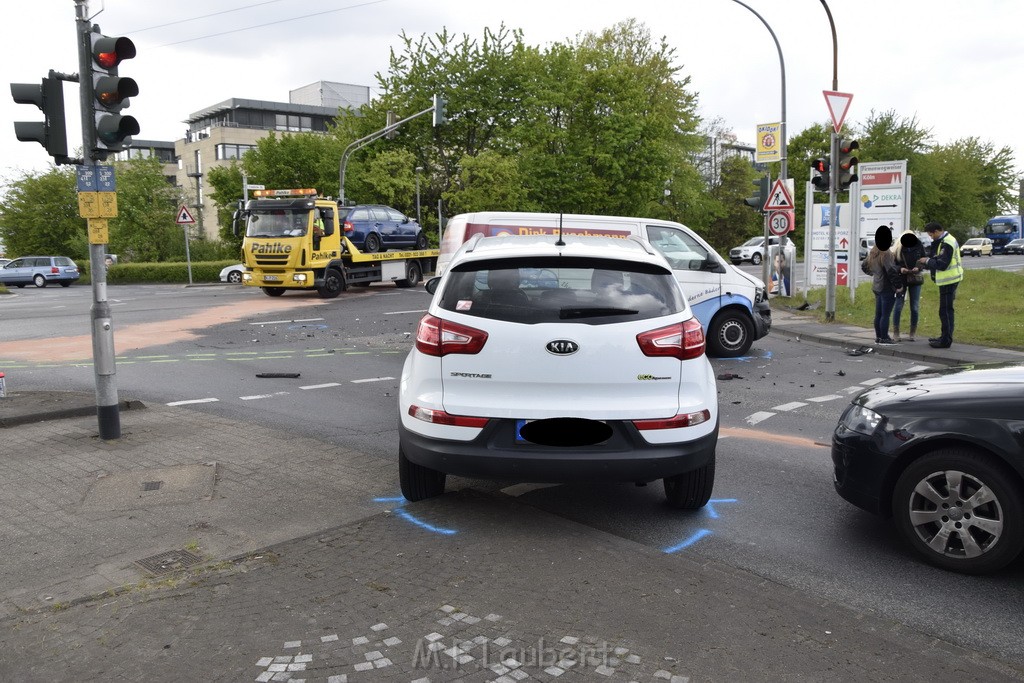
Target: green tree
<point>736,222</point>
<point>145,228</point>
<point>489,181</point>
<point>226,191</point>
<point>39,215</point>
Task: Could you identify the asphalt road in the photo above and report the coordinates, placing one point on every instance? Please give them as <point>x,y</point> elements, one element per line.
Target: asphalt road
<point>774,512</point>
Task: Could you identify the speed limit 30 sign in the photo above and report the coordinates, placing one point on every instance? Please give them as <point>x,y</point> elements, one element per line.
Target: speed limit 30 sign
<point>780,222</point>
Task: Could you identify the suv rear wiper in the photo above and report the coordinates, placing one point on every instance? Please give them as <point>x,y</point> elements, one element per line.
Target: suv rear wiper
<point>570,313</point>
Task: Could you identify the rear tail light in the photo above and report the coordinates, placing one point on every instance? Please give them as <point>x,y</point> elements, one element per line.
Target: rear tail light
<point>683,340</point>
<point>54,269</point>
<point>680,420</point>
<point>437,337</point>
<point>349,227</point>
<point>439,417</point>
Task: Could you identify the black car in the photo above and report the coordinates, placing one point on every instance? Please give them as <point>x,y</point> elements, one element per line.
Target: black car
<point>1014,247</point>
<point>942,453</point>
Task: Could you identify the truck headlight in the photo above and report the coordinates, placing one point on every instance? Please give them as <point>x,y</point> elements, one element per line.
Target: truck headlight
<point>299,277</point>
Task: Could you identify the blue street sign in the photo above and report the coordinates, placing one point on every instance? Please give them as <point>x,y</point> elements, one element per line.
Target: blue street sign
<point>105,179</point>
<point>86,178</point>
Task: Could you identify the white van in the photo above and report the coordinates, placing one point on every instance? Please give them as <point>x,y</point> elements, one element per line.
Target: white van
<point>731,305</point>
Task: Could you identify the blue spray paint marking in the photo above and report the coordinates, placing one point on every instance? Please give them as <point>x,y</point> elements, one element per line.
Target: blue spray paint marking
<point>699,534</point>
<point>420,523</point>
<point>412,519</point>
<point>767,355</point>
<point>709,510</point>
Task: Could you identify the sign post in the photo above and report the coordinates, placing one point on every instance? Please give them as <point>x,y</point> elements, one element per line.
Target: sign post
<point>838,105</point>
<point>185,220</point>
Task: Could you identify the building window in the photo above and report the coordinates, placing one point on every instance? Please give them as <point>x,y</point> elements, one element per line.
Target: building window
<point>225,151</point>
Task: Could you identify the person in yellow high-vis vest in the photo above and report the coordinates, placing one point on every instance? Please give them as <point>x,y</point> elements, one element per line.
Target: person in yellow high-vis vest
<point>947,272</point>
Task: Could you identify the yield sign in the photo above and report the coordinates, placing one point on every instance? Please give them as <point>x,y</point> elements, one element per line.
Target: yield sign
<point>184,217</point>
<point>838,104</point>
<point>778,198</point>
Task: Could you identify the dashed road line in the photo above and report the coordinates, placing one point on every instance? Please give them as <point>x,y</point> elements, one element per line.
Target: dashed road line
<point>873,381</point>
<point>758,417</point>
<point>790,406</point>
<point>823,399</point>
<point>195,400</point>
<point>321,386</point>
<point>371,379</point>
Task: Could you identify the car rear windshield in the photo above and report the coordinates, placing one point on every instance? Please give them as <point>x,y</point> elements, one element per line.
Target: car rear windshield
<point>562,289</point>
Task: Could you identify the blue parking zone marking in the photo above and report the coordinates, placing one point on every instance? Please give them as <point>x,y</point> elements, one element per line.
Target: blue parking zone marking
<point>765,355</point>
<point>711,513</point>
<point>402,513</point>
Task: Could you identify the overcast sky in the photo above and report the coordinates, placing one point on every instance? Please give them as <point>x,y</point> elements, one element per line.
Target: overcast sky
<point>957,66</point>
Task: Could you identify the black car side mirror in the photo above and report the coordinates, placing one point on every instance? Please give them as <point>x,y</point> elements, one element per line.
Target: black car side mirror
<point>431,285</point>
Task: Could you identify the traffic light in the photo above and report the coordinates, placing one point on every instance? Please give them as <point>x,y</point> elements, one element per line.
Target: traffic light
<point>110,94</point>
<point>439,116</point>
<point>758,200</point>
<point>821,176</point>
<point>51,133</point>
<point>847,164</point>
<point>392,118</point>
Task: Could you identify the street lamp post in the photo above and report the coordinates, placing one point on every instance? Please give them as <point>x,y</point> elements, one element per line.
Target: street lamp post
<point>830,284</point>
<point>419,169</point>
<point>783,169</point>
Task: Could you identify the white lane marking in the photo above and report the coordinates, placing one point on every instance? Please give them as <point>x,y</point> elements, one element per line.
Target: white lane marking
<point>873,381</point>
<point>371,379</point>
<point>853,389</point>
<point>822,399</point>
<point>404,312</point>
<point>282,322</point>
<point>321,386</point>
<point>197,400</point>
<point>918,368</point>
<point>259,396</point>
<point>789,406</point>
<point>758,417</point>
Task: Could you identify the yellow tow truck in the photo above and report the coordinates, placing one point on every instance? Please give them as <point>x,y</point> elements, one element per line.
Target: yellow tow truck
<point>295,240</point>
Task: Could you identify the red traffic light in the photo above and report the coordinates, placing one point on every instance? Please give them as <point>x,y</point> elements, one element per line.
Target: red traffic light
<point>109,52</point>
<point>820,166</point>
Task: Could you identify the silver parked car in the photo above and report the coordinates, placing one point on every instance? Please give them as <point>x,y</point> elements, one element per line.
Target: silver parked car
<point>39,271</point>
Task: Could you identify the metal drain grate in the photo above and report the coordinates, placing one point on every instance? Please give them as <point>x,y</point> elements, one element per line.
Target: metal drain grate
<point>152,485</point>
<point>170,561</point>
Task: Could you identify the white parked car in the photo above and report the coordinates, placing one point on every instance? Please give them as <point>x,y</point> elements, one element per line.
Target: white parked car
<point>542,360</point>
<point>752,250</point>
<point>232,274</point>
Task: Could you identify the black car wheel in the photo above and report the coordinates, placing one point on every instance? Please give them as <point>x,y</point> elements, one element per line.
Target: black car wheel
<point>962,510</point>
<point>39,281</point>
<point>421,241</point>
<point>65,283</point>
<point>756,258</point>
<point>418,482</point>
<point>372,244</point>
<point>273,291</point>
<point>691,490</point>
<point>731,334</point>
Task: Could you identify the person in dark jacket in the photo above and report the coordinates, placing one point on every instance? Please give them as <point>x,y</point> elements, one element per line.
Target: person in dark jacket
<point>908,252</point>
<point>886,282</point>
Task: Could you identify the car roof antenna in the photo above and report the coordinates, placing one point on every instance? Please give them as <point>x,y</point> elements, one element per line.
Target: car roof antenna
<point>559,243</point>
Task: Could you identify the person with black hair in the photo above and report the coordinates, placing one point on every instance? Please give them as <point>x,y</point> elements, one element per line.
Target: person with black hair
<point>907,252</point>
<point>886,282</point>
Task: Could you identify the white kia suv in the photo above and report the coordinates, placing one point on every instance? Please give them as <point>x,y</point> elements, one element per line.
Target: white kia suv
<point>544,359</point>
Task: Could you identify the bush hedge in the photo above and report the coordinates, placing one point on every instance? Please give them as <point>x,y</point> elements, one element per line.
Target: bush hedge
<point>159,273</point>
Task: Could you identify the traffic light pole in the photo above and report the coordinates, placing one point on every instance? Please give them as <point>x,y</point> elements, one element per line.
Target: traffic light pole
<point>107,409</point>
<point>830,284</point>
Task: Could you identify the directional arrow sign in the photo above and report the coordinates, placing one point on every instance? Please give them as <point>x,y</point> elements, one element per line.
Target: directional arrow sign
<point>778,198</point>
<point>838,104</point>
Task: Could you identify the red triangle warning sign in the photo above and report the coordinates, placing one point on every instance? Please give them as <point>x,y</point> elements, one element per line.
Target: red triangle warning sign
<point>184,217</point>
<point>778,198</point>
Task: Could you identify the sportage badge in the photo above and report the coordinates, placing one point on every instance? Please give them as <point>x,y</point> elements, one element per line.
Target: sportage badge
<point>562,347</point>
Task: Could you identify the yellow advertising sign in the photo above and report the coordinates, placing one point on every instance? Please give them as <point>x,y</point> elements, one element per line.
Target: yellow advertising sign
<point>769,143</point>
<point>99,232</point>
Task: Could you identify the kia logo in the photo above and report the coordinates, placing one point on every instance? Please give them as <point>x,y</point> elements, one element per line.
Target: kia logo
<point>562,347</point>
